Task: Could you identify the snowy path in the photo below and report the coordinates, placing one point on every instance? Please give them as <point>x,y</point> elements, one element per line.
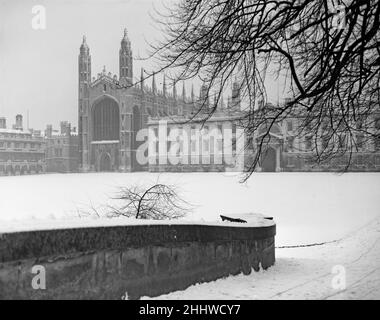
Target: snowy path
<point>306,273</point>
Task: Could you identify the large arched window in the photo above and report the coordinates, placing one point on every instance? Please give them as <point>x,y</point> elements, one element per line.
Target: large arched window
<point>106,120</point>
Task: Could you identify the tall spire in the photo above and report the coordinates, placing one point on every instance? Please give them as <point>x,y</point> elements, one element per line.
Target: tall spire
<point>84,77</point>
<point>174,90</point>
<point>154,88</point>
<point>125,37</point>
<point>164,86</point>
<point>215,100</point>
<point>192,93</point>
<point>125,59</point>
<point>84,48</point>
<point>204,95</point>
<point>84,62</point>
<point>203,90</point>
<point>236,95</point>
<point>183,91</point>
<point>142,79</point>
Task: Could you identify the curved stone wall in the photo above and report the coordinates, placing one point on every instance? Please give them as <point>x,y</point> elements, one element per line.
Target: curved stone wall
<point>142,260</point>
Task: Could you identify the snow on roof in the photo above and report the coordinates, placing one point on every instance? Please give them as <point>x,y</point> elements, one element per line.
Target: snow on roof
<point>105,142</point>
<point>56,133</point>
<point>13,131</point>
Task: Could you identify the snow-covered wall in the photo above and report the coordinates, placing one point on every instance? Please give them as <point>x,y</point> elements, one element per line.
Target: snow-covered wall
<point>140,260</point>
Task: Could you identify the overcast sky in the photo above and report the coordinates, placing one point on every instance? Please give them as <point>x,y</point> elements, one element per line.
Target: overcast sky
<point>39,68</point>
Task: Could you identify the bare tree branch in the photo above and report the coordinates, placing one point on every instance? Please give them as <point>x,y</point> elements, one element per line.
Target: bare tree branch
<point>158,202</point>
<point>332,66</point>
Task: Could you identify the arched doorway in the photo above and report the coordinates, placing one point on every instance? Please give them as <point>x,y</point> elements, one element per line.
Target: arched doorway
<point>105,162</point>
<point>268,160</point>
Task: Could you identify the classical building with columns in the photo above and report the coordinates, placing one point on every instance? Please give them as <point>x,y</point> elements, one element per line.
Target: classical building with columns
<point>218,144</point>
<point>222,144</point>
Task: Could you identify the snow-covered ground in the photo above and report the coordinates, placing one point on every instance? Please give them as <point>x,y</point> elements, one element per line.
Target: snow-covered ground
<point>346,269</point>
<point>308,208</point>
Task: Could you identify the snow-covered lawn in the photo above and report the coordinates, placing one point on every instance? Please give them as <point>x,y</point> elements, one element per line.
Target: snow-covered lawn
<point>308,208</point>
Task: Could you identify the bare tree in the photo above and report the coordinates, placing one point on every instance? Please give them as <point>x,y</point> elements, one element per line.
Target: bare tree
<point>158,202</point>
<point>326,51</point>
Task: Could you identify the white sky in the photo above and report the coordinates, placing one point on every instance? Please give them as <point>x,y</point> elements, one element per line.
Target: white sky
<point>38,68</point>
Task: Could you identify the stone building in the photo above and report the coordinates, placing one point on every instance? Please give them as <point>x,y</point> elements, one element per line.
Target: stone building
<point>289,152</point>
<point>221,144</point>
<point>62,149</point>
<point>113,109</point>
<point>21,151</point>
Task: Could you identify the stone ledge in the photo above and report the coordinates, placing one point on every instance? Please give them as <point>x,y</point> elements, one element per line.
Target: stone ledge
<point>37,244</point>
<point>147,260</point>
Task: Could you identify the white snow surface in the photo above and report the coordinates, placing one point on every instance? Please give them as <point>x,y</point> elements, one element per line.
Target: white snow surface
<point>340,212</point>
<point>95,222</point>
<point>345,269</point>
<point>307,207</point>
